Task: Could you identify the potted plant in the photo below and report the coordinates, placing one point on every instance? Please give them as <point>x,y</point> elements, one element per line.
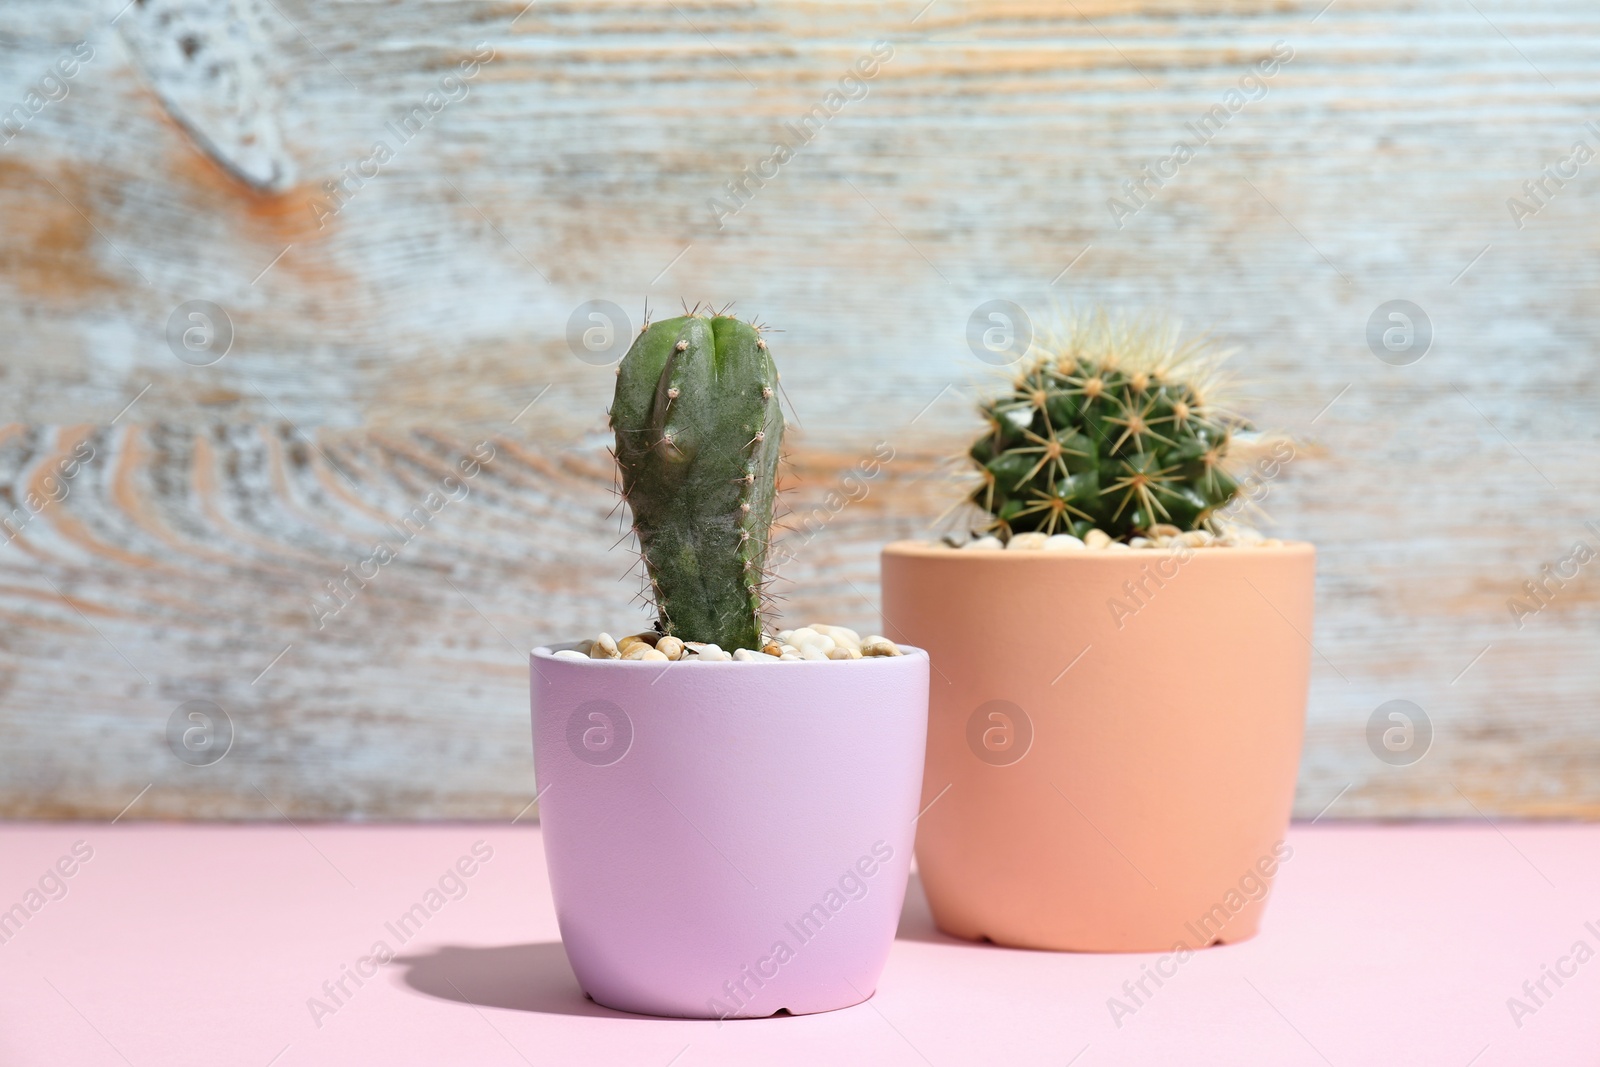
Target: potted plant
<point>1122,668</point>
<point>727,814</point>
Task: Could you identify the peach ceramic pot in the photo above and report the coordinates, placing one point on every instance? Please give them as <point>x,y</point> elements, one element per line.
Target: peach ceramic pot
<point>728,839</point>
<point>1113,737</point>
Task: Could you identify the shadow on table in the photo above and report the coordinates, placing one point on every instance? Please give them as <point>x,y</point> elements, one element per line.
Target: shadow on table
<point>533,977</point>
<point>538,978</point>
<point>916,919</point>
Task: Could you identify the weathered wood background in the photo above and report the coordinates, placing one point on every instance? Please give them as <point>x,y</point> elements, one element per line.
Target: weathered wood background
<point>374,347</point>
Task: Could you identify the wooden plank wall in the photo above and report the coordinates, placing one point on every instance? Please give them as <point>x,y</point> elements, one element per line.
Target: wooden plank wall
<point>375,346</point>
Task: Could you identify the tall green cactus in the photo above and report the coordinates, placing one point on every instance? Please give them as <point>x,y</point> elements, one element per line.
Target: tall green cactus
<point>1111,427</point>
<point>698,431</point>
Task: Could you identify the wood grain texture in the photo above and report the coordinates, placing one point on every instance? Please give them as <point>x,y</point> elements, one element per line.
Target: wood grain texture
<point>376,345</point>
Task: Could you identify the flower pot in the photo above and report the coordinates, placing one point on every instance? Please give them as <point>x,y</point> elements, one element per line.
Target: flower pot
<point>728,839</point>
<point>1113,737</point>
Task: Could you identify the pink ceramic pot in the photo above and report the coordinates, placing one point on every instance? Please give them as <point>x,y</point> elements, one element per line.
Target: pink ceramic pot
<point>728,839</point>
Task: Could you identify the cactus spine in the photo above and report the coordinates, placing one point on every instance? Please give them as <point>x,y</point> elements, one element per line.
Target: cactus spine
<point>698,431</point>
<point>1111,427</point>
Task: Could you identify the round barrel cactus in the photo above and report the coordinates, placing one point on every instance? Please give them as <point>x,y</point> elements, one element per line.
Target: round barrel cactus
<point>1110,426</point>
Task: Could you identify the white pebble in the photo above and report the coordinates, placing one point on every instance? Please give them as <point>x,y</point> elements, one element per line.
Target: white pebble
<point>745,655</point>
<point>1096,539</point>
<point>1140,542</point>
<point>785,637</point>
<point>1117,546</point>
<point>983,542</point>
<point>842,652</point>
<point>569,653</point>
<point>604,647</point>
<point>652,654</point>
<point>806,637</point>
<point>876,645</point>
<point>1062,543</point>
<point>790,657</point>
<point>842,635</point>
<point>810,652</point>
<point>670,647</point>
<point>712,654</point>
<point>1028,541</point>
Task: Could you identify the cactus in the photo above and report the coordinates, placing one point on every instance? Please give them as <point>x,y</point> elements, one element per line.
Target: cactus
<point>1110,426</point>
<point>698,431</point>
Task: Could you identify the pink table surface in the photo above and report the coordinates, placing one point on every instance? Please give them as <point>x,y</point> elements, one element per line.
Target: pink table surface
<point>204,945</point>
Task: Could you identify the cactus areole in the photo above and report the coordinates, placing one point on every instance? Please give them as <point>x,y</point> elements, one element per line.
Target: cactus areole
<point>698,431</point>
